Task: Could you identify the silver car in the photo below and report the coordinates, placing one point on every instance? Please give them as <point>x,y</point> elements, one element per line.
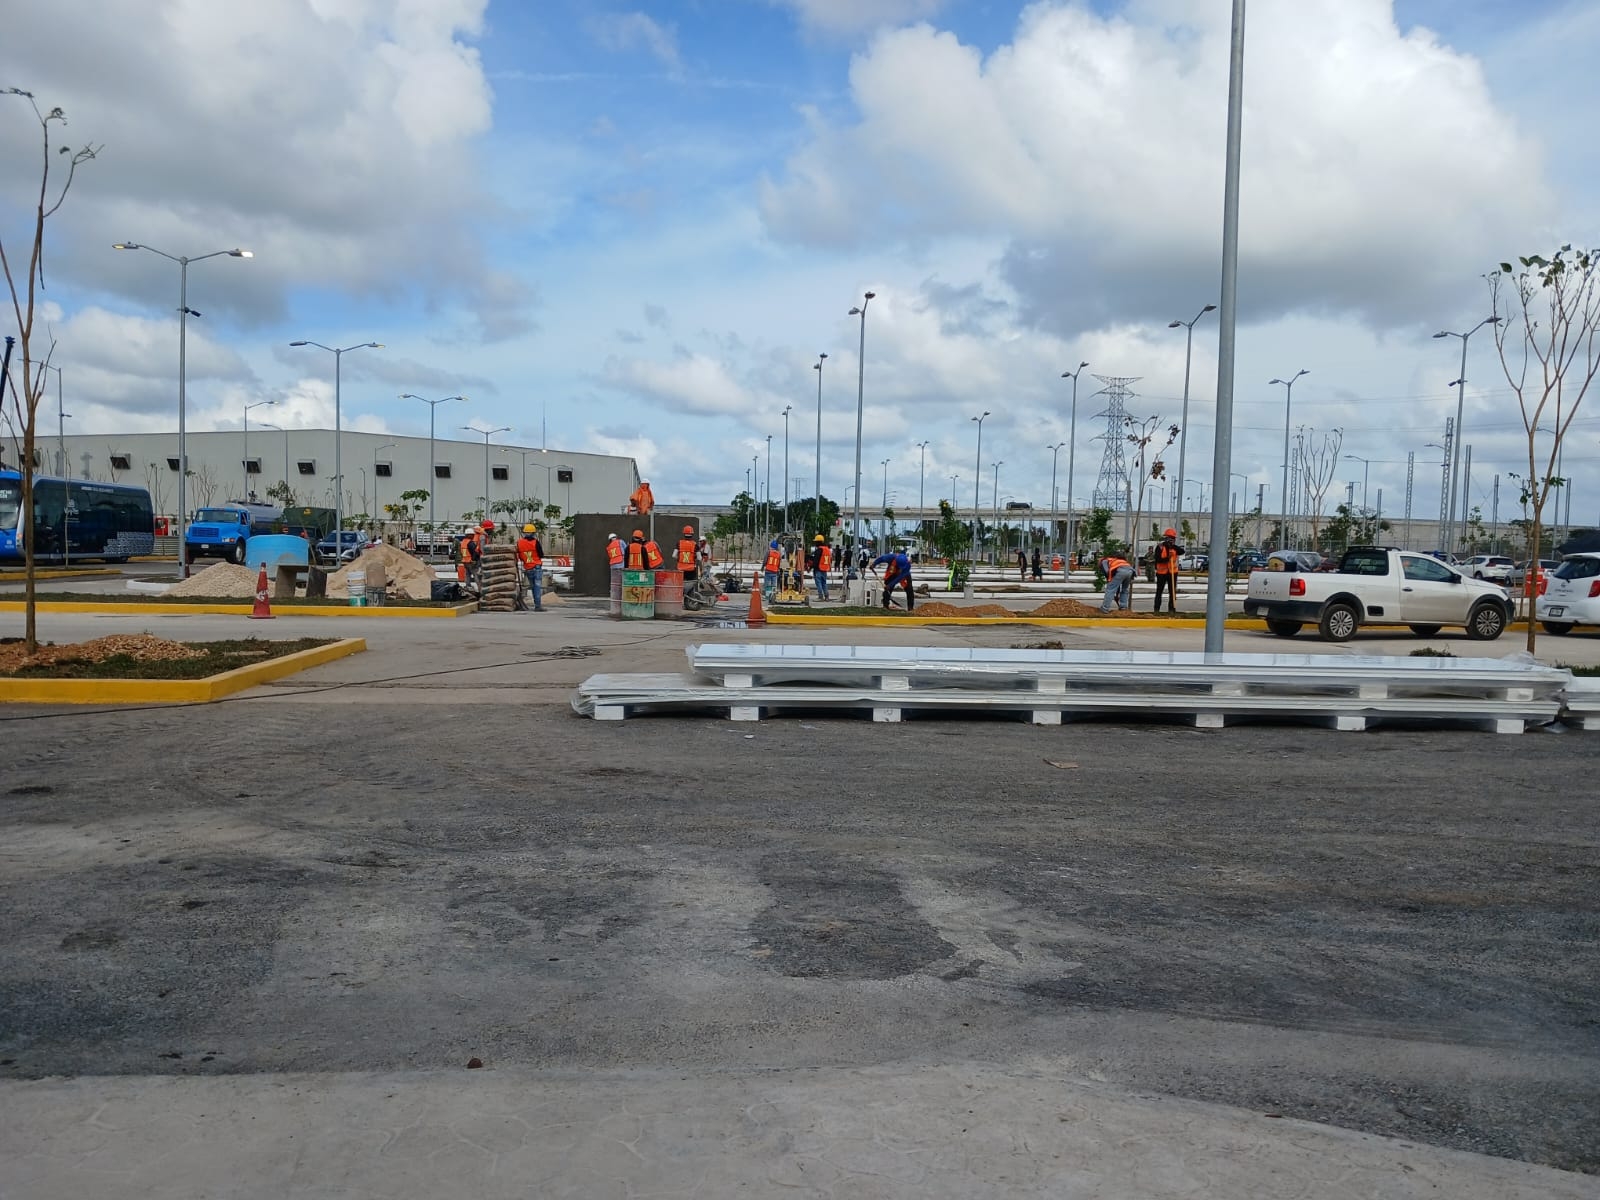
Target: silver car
<point>1496,568</point>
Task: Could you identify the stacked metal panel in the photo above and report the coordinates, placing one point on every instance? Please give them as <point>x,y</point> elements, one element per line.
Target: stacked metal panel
<point>748,681</point>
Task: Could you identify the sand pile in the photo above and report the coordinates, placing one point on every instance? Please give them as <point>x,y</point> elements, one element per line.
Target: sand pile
<point>224,581</point>
<point>1066,608</point>
<point>408,575</point>
<point>141,647</point>
<point>939,608</point>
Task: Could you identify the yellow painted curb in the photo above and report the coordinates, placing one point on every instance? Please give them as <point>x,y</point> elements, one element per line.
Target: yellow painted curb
<point>1019,619</point>
<point>172,691</point>
<point>157,608</point>
<point>22,576</point>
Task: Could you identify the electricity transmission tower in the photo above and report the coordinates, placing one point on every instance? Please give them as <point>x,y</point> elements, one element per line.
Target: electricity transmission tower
<point>1111,489</point>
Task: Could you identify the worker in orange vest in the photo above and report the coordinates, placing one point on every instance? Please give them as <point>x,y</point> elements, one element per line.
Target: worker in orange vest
<point>1119,583</point>
<point>643,555</point>
<point>689,555</point>
<point>530,553</point>
<point>821,564</point>
<point>469,552</point>
<point>616,551</point>
<point>769,570</point>
<point>1167,553</point>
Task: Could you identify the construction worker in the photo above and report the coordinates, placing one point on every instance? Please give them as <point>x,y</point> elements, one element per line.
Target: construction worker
<point>769,570</point>
<point>897,573</point>
<point>530,553</point>
<point>469,553</point>
<point>643,555</point>
<point>1119,583</point>
<point>642,500</point>
<point>1167,553</point>
<point>821,563</point>
<point>616,551</point>
<point>689,555</point>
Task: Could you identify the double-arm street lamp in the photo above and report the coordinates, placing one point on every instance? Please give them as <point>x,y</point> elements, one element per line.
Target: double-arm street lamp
<point>787,409</point>
<point>433,409</point>
<point>817,367</point>
<point>861,387</point>
<point>1072,446</point>
<point>1366,470</point>
<point>1183,425</point>
<point>258,404</point>
<point>285,432</point>
<point>184,313</point>
<point>486,434</point>
<point>1288,403</point>
<point>1448,533</point>
<point>996,501</point>
<point>977,479</point>
<point>338,473</point>
<point>1055,452</point>
<point>922,474</point>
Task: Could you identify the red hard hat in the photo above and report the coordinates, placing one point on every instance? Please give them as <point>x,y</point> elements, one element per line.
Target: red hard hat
<point>489,525</point>
<point>1170,533</point>
<point>689,529</point>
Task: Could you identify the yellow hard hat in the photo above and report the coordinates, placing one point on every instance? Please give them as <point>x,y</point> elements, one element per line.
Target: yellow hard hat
<point>529,529</point>
<point>819,538</point>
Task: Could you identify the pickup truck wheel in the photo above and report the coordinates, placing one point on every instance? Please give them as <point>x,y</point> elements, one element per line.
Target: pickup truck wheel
<point>1339,623</point>
<point>1559,628</point>
<point>1283,628</point>
<point>1425,630</point>
<point>1486,622</point>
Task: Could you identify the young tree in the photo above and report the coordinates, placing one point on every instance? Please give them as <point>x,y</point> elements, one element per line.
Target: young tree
<point>1549,310</point>
<point>25,289</point>
<point>1319,461</point>
<point>204,482</point>
<point>1145,437</point>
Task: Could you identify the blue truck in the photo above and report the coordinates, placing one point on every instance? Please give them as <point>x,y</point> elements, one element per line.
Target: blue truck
<point>223,530</point>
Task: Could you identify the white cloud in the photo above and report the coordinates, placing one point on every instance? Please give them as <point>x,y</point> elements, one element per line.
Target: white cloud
<point>1094,146</point>
<point>638,31</point>
<point>857,16</point>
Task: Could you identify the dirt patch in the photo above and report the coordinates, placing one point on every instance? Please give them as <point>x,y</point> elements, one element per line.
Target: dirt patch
<point>225,581</point>
<point>408,575</point>
<point>140,647</point>
<point>939,608</point>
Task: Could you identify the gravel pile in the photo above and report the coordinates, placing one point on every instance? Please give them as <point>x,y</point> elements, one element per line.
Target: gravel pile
<point>225,581</point>
<point>142,647</point>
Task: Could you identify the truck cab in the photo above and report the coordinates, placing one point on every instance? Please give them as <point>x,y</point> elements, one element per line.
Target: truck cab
<point>223,531</point>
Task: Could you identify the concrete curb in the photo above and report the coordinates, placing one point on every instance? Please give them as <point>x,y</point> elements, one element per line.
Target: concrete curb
<point>156,608</point>
<point>172,691</point>
<point>22,576</point>
<point>1020,619</point>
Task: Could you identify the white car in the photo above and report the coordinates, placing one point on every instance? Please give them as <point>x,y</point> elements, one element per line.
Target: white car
<point>1571,594</point>
<point>1496,568</point>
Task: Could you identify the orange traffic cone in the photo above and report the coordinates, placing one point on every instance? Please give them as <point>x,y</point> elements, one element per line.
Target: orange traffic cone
<point>262,610</point>
<point>757,615</point>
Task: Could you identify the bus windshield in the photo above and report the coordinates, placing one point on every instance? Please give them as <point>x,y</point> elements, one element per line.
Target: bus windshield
<point>10,503</point>
<point>219,516</point>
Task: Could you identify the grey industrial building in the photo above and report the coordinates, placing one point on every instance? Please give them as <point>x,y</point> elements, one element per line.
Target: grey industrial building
<point>377,468</point>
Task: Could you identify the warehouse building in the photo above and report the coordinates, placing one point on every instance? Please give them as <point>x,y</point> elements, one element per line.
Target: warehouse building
<point>377,468</point>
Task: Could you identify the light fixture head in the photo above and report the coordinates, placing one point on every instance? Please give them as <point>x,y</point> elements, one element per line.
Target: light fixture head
<point>125,245</point>
<point>1494,320</point>
<point>1209,308</point>
<point>237,253</point>
<point>1441,334</point>
<point>872,295</point>
<point>854,312</point>
<point>374,346</point>
<point>1270,382</point>
<point>299,343</point>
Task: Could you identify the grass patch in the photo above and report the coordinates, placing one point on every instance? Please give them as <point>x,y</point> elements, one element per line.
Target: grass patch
<point>1578,670</point>
<point>1430,652</point>
<point>297,602</point>
<point>217,658</point>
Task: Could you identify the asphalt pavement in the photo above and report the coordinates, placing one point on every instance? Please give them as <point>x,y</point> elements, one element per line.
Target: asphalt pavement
<point>254,946</point>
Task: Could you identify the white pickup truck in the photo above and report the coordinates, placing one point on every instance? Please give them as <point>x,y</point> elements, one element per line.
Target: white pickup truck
<point>1376,587</point>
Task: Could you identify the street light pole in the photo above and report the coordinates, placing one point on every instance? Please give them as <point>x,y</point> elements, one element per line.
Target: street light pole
<point>377,504</point>
<point>817,367</point>
<point>433,406</point>
<point>66,471</point>
<point>1366,474</point>
<point>1055,453</point>
<point>977,479</point>
<point>787,409</point>
<point>1447,540</point>
<point>184,313</point>
<point>247,408</point>
<point>1288,402</point>
<point>861,387</point>
<point>285,432</point>
<point>486,434</point>
<point>922,474</point>
<point>996,501</point>
<point>338,472</point>
<point>1183,426</point>
<point>766,512</point>
<point>1072,447</point>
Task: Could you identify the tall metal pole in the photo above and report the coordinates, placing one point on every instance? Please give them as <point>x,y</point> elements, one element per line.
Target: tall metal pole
<point>66,473</point>
<point>1055,453</point>
<point>1494,517</point>
<point>821,358</point>
<point>861,389</point>
<point>433,408</point>
<point>787,409</point>
<point>338,472</point>
<point>1460,430</point>
<point>1466,495</point>
<point>977,478</point>
<point>1222,453</point>
<point>1072,450</point>
<point>766,513</point>
<point>1411,475</point>
<point>1288,384</point>
<point>996,503</point>
<point>922,472</point>
<point>1183,427</point>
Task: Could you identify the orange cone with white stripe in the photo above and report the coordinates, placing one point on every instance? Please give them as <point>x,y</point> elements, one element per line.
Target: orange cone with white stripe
<point>757,615</point>
<point>263,609</point>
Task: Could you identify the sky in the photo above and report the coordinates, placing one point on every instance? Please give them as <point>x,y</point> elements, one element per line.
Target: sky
<point>633,228</point>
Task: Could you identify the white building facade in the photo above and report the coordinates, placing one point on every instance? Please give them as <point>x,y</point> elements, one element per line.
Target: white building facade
<point>377,469</point>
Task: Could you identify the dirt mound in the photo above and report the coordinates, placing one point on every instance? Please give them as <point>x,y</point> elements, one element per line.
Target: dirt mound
<point>1066,608</point>
<point>141,647</point>
<point>939,608</point>
<point>225,581</point>
<point>408,575</point>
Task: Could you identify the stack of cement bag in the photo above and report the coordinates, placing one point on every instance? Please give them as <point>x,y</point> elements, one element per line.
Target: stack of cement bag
<point>500,576</point>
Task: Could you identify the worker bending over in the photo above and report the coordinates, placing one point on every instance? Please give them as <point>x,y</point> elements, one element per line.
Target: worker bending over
<point>897,573</point>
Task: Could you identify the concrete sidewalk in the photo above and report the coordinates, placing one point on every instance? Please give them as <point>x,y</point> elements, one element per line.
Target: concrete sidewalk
<point>950,1131</point>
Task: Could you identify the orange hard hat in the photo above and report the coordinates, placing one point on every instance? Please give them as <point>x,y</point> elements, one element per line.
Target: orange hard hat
<point>1170,533</point>
<point>638,533</point>
<point>689,529</point>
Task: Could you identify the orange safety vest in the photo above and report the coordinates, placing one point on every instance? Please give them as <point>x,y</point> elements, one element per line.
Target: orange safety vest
<point>652,555</point>
<point>824,558</point>
<point>1166,559</point>
<point>635,556</point>
<point>774,561</point>
<point>1113,565</point>
<point>615,551</point>
<point>687,554</point>
<point>530,552</point>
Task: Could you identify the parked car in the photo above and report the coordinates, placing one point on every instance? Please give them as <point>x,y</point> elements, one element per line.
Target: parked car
<point>1496,568</point>
<point>1249,561</point>
<point>1519,573</point>
<point>1377,586</point>
<point>1571,594</point>
<point>1194,562</point>
<point>1445,557</point>
<point>349,544</point>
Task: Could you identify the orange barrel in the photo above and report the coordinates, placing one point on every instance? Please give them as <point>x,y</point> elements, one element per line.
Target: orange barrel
<point>616,592</point>
<point>1055,563</point>
<point>669,593</point>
